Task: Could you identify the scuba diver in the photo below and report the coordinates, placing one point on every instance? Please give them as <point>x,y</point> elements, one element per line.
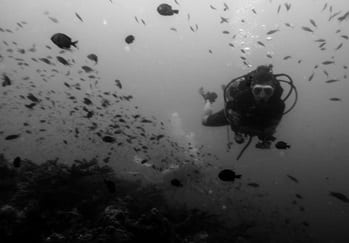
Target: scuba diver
<point>253,106</point>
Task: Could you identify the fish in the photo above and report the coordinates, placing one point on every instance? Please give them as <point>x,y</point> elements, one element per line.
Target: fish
<point>136,19</point>
<point>270,32</point>
<point>269,56</point>
<point>143,22</point>
<point>63,41</point>
<point>176,2</point>
<point>340,196</point>
<point>108,139</point>
<point>282,145</point>
<point>288,6</point>
<point>335,99</point>
<point>173,29</point>
<point>224,20</point>
<point>345,37</point>
<point>305,28</point>
<point>110,185</point>
<point>6,80</point>
<point>253,184</point>
<point>311,77</point>
<point>343,17</point>
<point>327,62</point>
<point>331,81</point>
<point>225,32</point>
<point>231,44</point>
<point>260,43</point>
<point>325,72</point>
<point>129,39</point>
<point>212,7</point>
<point>313,23</point>
<point>177,183</point>
<point>294,179</point>
<point>62,60</point>
<point>118,84</point>
<point>320,40</point>
<point>338,47</point>
<point>79,17</point>
<point>254,11</point>
<point>165,9</point>
<point>87,69</point>
<point>54,20</point>
<point>228,175</point>
<point>324,7</point>
<point>87,101</point>
<point>286,57</point>
<point>12,137</point>
<point>33,98</point>
<point>299,196</point>
<point>279,8</point>
<point>93,57</point>
<point>226,7</point>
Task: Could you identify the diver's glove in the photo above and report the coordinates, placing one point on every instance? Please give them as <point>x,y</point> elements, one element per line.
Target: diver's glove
<point>210,96</point>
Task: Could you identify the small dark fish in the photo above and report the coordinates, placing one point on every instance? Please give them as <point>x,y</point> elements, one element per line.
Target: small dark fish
<point>54,20</point>
<point>327,62</point>
<point>13,136</point>
<point>311,77</point>
<point>313,23</point>
<point>299,196</point>
<point>110,185</point>
<point>129,39</point>
<point>118,83</point>
<point>320,40</point>
<point>345,37</point>
<point>305,28</point>
<point>343,17</point>
<point>338,47</point>
<point>177,183</point>
<point>212,7</point>
<point>282,145</point>
<point>108,139</point>
<point>272,31</point>
<point>340,196</point>
<point>260,43</point>
<point>231,44</point>
<point>325,6</point>
<point>288,6</point>
<point>335,99</point>
<point>286,57</point>
<point>279,8</point>
<point>225,32</point>
<point>17,162</point>
<point>62,60</point>
<point>253,184</point>
<point>33,98</point>
<point>78,16</point>
<point>173,29</point>
<point>63,41</point>
<point>226,7</point>
<point>87,101</point>
<point>166,10</point>
<point>224,20</point>
<point>228,175</point>
<point>210,51</point>
<point>331,81</point>
<point>136,19</point>
<point>143,22</point>
<point>293,178</point>
<point>45,60</point>
<point>254,11</point>
<point>87,69</point>
<point>93,57</point>
<point>6,80</point>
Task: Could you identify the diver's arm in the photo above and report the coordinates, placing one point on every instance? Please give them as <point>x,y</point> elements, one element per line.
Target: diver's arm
<point>207,112</point>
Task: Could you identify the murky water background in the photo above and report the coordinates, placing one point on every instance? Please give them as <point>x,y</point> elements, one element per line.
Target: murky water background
<point>163,70</point>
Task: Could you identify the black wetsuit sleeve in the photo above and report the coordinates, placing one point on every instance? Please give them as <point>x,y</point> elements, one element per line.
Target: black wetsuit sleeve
<point>216,119</point>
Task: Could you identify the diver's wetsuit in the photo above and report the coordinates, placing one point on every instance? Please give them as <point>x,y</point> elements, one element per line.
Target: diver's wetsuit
<point>253,116</point>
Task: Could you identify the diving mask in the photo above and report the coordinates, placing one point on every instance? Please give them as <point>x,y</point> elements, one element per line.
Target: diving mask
<point>262,92</point>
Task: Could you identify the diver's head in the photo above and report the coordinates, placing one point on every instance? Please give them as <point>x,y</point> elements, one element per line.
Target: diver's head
<point>262,84</point>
